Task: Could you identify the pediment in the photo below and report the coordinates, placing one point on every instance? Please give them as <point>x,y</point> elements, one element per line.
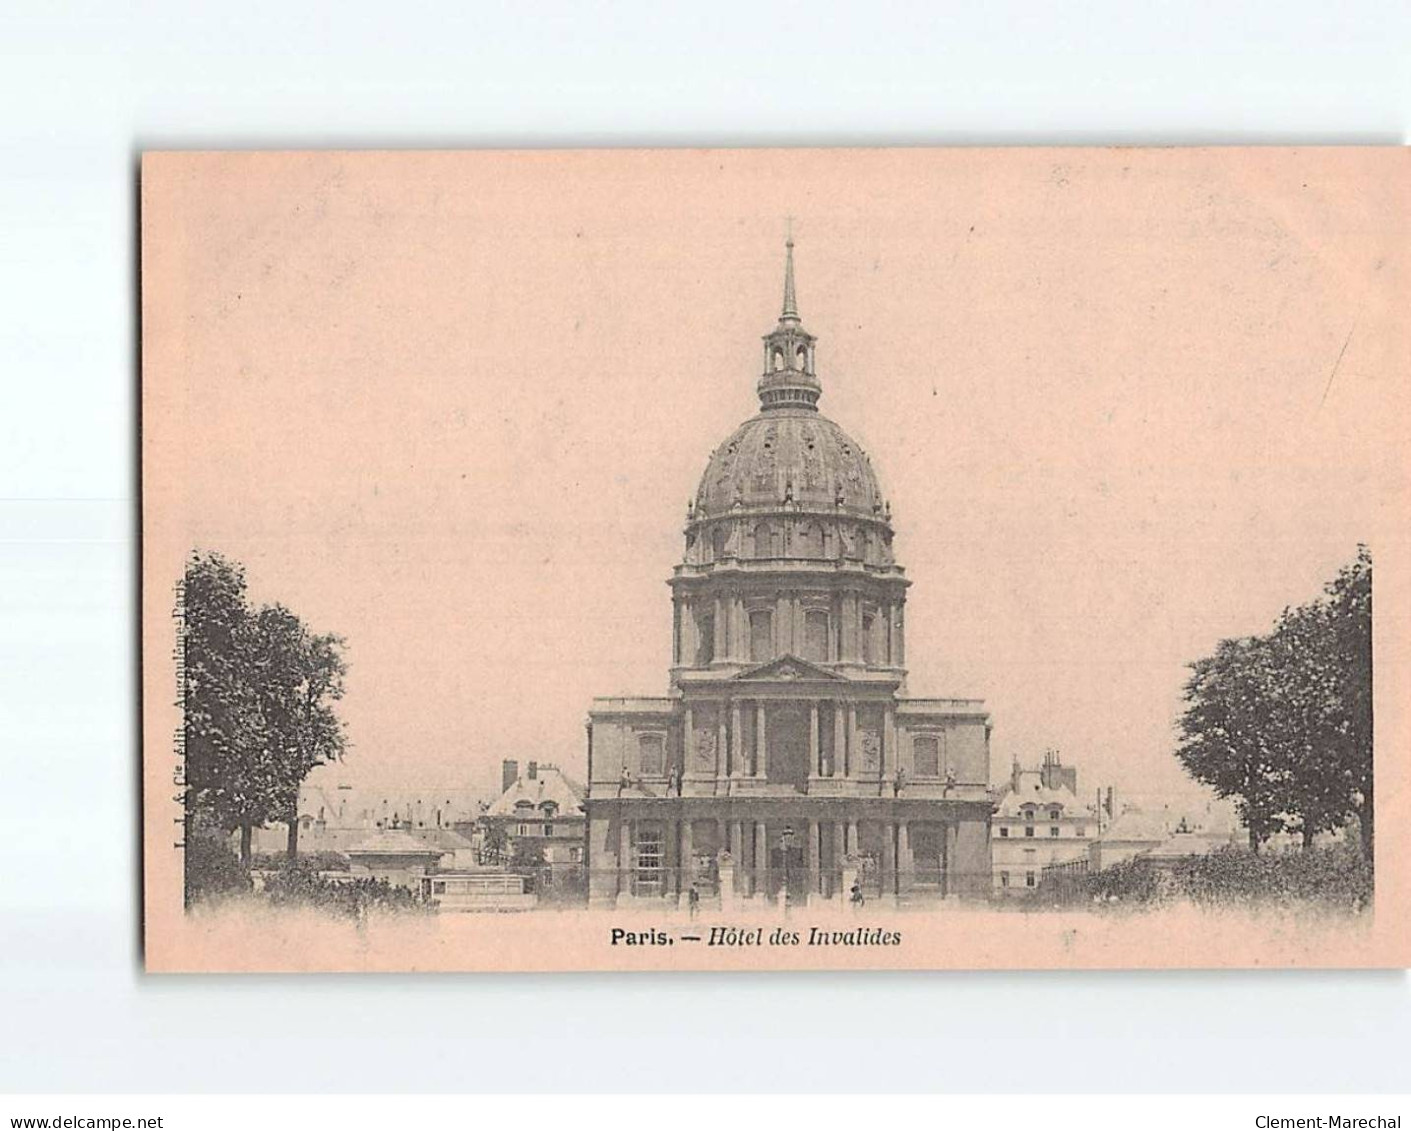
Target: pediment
<point>789,667</point>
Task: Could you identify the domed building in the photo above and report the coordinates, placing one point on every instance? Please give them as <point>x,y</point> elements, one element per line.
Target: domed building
<point>787,758</point>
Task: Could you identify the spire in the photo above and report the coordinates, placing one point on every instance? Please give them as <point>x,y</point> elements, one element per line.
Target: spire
<point>791,305</point>
<point>789,381</point>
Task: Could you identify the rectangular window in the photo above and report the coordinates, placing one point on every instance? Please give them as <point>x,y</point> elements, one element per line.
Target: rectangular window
<point>705,637</point>
<point>761,635</point>
<point>548,830</point>
<point>926,754</point>
<point>1004,879</point>
<point>1004,831</point>
<point>438,887</point>
<point>649,862</point>
<point>1053,831</point>
<point>815,636</point>
<point>1082,830</point>
<point>1028,830</point>
<point>651,755</point>
<point>1029,880</point>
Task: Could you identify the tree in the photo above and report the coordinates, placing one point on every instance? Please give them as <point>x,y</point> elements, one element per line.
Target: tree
<point>259,703</point>
<point>1326,703</point>
<point>1283,722</point>
<point>1226,733</point>
<point>299,676</point>
<point>226,771</point>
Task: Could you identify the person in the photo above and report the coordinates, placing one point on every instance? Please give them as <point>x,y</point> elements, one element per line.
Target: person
<point>693,900</point>
<point>856,897</point>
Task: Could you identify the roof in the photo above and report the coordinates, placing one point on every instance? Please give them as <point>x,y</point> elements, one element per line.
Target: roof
<point>1183,844</point>
<point>549,784</point>
<point>1136,824</point>
<point>1032,791</point>
<point>393,842</point>
<point>446,840</point>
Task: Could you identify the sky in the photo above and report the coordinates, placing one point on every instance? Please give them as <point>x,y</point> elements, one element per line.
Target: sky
<point>1123,403</point>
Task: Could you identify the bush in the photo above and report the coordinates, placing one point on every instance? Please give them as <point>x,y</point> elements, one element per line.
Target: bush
<point>319,861</point>
<point>298,884</point>
<point>212,870</point>
<point>1337,877</point>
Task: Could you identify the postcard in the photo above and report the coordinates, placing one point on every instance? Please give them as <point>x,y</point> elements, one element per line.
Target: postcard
<point>775,559</point>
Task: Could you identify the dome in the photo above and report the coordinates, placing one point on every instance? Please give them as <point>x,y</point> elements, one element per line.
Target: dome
<point>788,454</point>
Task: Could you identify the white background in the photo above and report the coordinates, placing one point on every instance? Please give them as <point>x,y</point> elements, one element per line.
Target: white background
<point>85,87</point>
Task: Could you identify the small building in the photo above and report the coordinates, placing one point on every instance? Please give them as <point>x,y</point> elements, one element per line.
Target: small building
<point>540,813</point>
<point>1039,824</point>
<point>394,856</point>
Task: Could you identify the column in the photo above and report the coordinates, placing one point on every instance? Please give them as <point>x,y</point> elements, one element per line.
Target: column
<point>624,855</point>
<point>854,846</point>
<point>949,885</point>
<point>761,859</point>
<point>722,630</point>
<point>813,860</point>
<point>840,742</point>
<point>889,858</point>
<point>815,747</point>
<point>905,868</point>
<point>672,858</point>
<point>737,741</point>
<point>840,852</point>
<point>688,742</point>
<point>901,635</point>
<point>854,754</point>
<point>688,856</point>
<point>761,744</point>
<point>890,760</point>
<point>737,844</point>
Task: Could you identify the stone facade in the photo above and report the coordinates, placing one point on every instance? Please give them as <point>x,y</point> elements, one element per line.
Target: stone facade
<point>787,759</point>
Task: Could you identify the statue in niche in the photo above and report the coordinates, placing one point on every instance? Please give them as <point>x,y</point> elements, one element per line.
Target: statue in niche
<point>705,749</point>
<point>871,752</point>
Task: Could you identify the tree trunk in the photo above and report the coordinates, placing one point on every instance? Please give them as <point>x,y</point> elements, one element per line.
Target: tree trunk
<point>1365,820</point>
<point>293,842</point>
<point>246,835</point>
<point>1307,837</point>
<point>1254,842</point>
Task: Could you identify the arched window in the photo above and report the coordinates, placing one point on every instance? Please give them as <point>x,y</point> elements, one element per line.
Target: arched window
<point>801,356</point>
<point>815,635</point>
<point>811,541</point>
<point>778,360</point>
<point>548,809</point>
<point>766,541</point>
<point>651,755</point>
<point>717,542</point>
<point>869,648</point>
<point>761,635</point>
<point>926,756</point>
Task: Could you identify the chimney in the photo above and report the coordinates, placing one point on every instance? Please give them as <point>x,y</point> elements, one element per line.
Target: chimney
<point>533,770</point>
<point>509,774</point>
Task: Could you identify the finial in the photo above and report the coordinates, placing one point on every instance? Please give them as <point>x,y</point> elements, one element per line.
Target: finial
<point>791,305</point>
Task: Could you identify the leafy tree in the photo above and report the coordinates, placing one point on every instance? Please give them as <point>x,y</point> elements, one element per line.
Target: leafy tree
<point>298,676</point>
<point>1226,733</point>
<point>1325,700</point>
<point>227,773</point>
<point>1283,722</point>
<point>259,702</point>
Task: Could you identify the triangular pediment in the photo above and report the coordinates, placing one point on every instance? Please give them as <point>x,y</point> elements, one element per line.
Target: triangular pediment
<point>789,667</point>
